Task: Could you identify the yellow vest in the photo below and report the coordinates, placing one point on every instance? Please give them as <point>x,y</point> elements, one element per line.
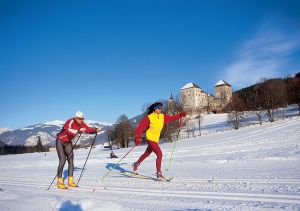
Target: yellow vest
<point>155,126</point>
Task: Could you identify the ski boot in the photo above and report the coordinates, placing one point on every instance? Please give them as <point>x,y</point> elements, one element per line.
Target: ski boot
<point>135,167</point>
<point>71,182</point>
<point>60,184</point>
<point>160,177</point>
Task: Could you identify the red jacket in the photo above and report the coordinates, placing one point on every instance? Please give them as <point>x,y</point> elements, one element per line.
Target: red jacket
<point>71,128</point>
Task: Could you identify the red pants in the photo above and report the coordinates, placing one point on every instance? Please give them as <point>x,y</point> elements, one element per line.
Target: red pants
<point>152,147</point>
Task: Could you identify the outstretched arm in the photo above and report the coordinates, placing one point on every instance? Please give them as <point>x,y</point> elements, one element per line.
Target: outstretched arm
<point>89,129</point>
<point>169,118</point>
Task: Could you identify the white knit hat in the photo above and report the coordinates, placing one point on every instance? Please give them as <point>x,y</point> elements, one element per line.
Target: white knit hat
<point>79,114</point>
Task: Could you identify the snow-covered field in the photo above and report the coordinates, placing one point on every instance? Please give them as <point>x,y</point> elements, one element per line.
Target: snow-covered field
<point>254,168</point>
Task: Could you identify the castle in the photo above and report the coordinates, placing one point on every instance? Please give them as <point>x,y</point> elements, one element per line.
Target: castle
<point>196,100</point>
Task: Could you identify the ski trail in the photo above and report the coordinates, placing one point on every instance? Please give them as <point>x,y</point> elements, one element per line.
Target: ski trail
<point>21,180</point>
<point>278,198</point>
<point>232,196</point>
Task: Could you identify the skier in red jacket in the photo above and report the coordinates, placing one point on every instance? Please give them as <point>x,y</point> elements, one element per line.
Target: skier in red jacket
<point>64,146</point>
<point>154,123</point>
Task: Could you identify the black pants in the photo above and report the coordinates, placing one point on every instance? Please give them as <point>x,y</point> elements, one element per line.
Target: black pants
<point>64,151</point>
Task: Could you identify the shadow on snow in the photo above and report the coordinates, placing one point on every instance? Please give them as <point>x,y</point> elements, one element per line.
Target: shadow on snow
<point>68,205</point>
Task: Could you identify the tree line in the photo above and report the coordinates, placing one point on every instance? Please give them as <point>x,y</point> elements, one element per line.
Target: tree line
<point>20,149</point>
<point>264,98</point>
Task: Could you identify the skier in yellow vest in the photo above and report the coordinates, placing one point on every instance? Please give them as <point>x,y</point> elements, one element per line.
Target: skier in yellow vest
<point>154,121</point>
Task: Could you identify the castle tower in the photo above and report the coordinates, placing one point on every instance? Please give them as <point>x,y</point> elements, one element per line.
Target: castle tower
<point>223,92</point>
<point>171,107</point>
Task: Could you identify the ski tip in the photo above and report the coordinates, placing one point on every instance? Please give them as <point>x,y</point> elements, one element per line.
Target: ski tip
<point>165,180</point>
<point>169,180</point>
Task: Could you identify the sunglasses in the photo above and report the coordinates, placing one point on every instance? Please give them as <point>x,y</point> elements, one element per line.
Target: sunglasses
<point>80,118</point>
<point>159,107</point>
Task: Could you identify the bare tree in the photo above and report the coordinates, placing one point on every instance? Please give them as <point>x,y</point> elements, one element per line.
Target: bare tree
<point>294,90</point>
<point>199,112</point>
<point>111,135</point>
<point>190,110</point>
<point>272,95</point>
<point>235,110</point>
<point>187,125</point>
<point>124,132</point>
<point>253,105</point>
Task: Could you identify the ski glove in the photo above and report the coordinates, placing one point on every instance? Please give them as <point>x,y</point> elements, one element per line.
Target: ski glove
<point>138,141</point>
<point>82,130</point>
<point>96,130</point>
<point>183,114</point>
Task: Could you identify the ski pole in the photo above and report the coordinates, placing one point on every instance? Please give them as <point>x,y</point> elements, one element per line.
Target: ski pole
<point>174,146</point>
<point>87,158</point>
<point>61,168</point>
<point>117,163</point>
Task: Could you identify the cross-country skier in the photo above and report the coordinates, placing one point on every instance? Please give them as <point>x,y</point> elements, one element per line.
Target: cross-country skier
<point>64,146</point>
<point>154,121</point>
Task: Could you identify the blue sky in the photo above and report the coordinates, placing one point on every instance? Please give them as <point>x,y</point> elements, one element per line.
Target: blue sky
<point>108,58</point>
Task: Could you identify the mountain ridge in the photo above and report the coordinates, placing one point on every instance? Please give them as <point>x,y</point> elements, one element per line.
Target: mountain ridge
<point>47,132</point>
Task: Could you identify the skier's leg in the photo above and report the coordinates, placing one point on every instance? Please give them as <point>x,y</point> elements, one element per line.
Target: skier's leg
<point>61,157</point>
<point>156,149</point>
<point>70,157</point>
<point>146,154</point>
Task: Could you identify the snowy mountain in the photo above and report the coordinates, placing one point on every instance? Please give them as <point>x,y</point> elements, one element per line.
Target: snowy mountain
<point>47,132</point>
<point>2,130</point>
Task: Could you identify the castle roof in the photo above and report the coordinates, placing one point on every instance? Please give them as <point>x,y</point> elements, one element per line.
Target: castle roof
<point>221,83</point>
<point>190,85</point>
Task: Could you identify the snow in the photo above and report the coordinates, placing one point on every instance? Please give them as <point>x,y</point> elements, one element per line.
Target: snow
<point>33,140</point>
<point>254,168</point>
<point>221,82</point>
<point>189,85</point>
<point>100,123</point>
<point>54,123</point>
<point>27,128</point>
<point>61,123</point>
<point>3,130</point>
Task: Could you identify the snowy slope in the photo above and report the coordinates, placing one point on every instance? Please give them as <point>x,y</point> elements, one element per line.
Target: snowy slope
<point>254,168</point>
